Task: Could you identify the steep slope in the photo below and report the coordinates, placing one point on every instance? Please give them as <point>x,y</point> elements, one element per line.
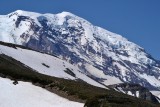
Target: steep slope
<point>101,54</point>
<point>25,94</point>
<point>46,64</point>
<point>75,90</point>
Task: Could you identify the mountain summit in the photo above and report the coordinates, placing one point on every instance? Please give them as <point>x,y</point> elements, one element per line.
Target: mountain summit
<point>102,55</point>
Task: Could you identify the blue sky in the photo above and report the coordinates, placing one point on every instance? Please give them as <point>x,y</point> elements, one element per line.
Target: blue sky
<point>137,20</point>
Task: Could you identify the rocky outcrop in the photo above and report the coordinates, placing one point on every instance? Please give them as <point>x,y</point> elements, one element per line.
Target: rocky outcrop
<point>135,90</point>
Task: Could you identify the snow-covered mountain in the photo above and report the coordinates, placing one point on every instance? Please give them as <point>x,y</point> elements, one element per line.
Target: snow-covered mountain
<point>106,57</point>
<point>19,64</point>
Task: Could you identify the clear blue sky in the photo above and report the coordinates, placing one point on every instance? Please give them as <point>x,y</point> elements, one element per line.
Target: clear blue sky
<point>137,20</point>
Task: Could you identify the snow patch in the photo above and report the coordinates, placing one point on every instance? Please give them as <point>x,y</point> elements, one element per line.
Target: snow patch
<point>25,94</point>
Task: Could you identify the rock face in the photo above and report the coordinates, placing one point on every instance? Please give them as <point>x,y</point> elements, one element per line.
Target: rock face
<point>104,56</point>
<point>135,90</point>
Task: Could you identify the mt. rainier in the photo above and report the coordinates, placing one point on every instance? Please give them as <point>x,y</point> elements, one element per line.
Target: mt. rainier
<point>104,56</point>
